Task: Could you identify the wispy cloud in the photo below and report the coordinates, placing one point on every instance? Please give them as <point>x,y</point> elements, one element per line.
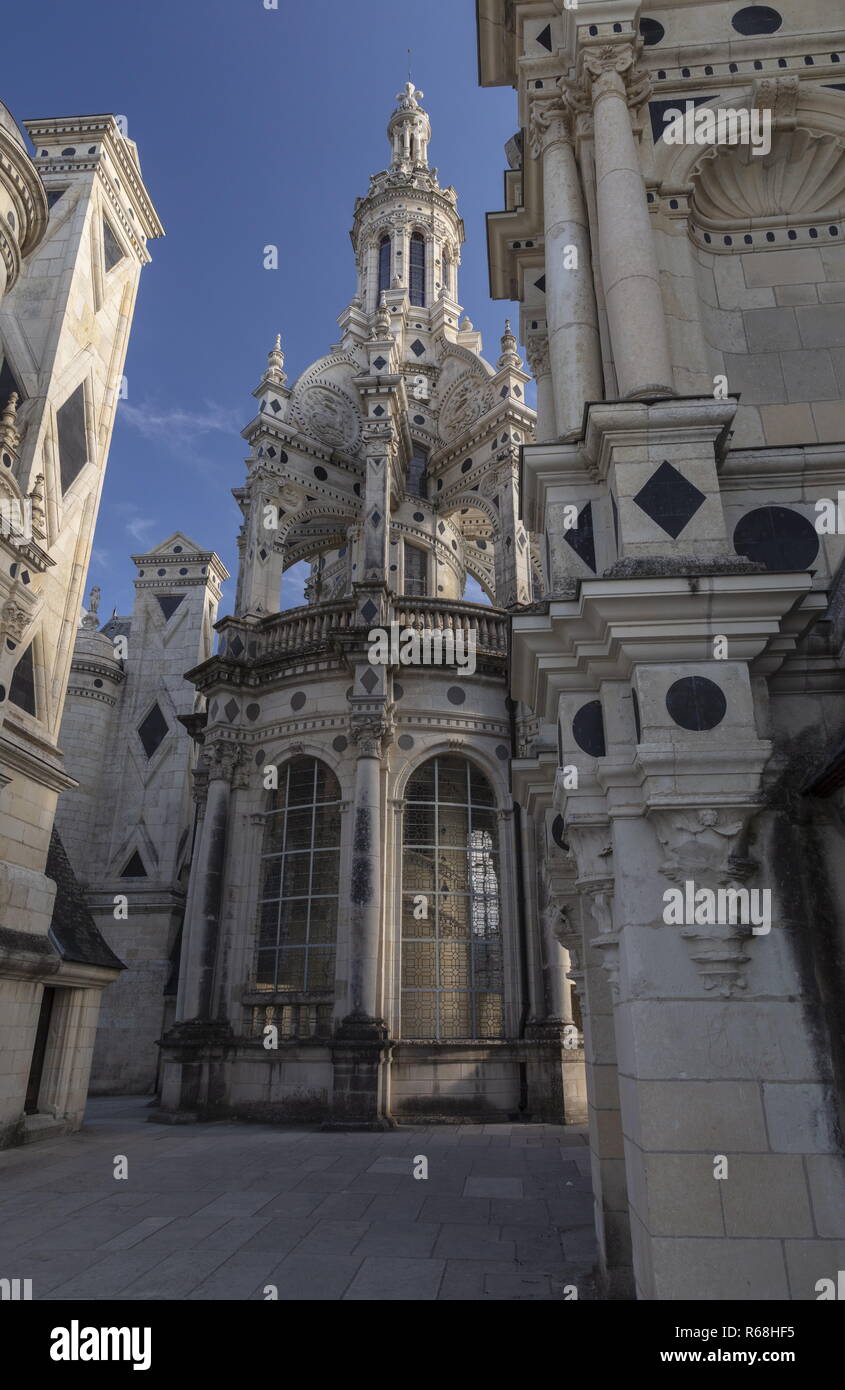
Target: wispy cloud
<point>134,522</point>
<point>179,427</point>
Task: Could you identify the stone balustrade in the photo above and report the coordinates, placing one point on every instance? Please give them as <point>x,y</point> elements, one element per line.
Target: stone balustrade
<point>315,626</point>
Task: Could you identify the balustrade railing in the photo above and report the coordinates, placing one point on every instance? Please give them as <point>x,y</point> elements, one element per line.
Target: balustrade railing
<point>314,625</point>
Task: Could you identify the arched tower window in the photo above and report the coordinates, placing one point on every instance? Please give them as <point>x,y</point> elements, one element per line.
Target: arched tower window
<point>384,264</point>
<point>417,286</point>
<point>452,974</point>
<point>298,897</point>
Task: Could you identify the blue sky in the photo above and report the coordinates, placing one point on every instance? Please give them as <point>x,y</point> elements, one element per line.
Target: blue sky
<point>254,127</point>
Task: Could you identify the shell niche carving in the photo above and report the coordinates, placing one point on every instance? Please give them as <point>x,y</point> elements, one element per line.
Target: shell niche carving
<point>802,177</point>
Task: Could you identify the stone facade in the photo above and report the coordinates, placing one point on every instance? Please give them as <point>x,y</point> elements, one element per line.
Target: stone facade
<point>309,986</point>
<point>685,668</point>
<point>76,219</point>
<point>128,826</point>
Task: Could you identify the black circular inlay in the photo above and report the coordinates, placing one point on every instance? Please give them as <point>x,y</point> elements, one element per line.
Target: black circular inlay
<point>253,711</point>
<point>321,474</point>
<point>298,700</point>
<point>778,537</point>
<point>161,571</point>
<point>757,19</point>
<point>398,690</point>
<point>340,744</point>
<point>466,465</point>
<point>418,516</point>
<point>502,753</point>
<point>177,549</point>
<point>2,693</point>
<point>419,419</point>
<point>98,685</point>
<point>183,571</point>
<point>696,703</point>
<point>455,695</point>
<point>259,757</point>
<point>651,31</point>
<point>557,832</point>
<point>405,741</point>
<point>588,729</point>
<point>349,693</point>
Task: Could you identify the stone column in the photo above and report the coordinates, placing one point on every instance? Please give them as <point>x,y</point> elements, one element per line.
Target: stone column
<point>513,553</point>
<point>262,557</point>
<point>629,272</point>
<point>365,889</point>
<point>537,352</point>
<point>199,936</point>
<point>573,333</point>
<point>590,845</point>
<point>360,1050</point>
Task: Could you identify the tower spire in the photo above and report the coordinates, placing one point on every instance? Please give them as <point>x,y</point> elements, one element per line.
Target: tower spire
<point>409,129</point>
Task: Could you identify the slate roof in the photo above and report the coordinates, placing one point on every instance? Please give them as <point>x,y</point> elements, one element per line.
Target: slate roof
<point>73,930</point>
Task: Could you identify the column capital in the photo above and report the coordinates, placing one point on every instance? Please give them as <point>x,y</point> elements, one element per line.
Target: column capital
<point>549,122</point>
<point>222,761</point>
<point>371,734</point>
<point>537,353</point>
<point>611,69</point>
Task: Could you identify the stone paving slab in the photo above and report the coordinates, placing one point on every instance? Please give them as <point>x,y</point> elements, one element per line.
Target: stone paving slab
<point>229,1211</point>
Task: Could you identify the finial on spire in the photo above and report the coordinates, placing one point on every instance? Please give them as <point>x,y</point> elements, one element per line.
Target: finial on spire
<point>510,356</point>
<point>381,322</point>
<point>276,362</point>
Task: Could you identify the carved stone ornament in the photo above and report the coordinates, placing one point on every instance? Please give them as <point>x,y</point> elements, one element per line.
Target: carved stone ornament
<point>701,849</point>
<point>329,415</point>
<point>14,620</point>
<point>549,120</point>
<point>612,68</point>
<point>370,736</point>
<point>537,352</point>
<point>466,401</point>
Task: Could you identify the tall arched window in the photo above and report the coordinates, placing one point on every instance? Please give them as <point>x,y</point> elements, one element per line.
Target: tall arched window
<point>417,286</point>
<point>416,570</point>
<point>298,897</point>
<point>384,264</point>
<point>452,981</point>
<point>415,483</point>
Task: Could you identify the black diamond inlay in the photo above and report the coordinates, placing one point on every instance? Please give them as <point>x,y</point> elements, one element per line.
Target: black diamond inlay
<point>541,283</point>
<point>669,499</point>
<point>153,730</point>
<point>379,410</point>
<point>375,518</point>
<point>588,729</point>
<point>369,680</point>
<point>379,362</point>
<point>274,405</point>
<point>236,646</point>
<point>368,612</point>
<point>418,347</point>
<point>696,703</point>
<point>581,538</point>
<point>544,38</point>
<point>230,709</point>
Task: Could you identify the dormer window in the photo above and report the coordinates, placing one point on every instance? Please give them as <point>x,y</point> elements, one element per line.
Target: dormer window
<point>384,264</point>
<point>417,274</point>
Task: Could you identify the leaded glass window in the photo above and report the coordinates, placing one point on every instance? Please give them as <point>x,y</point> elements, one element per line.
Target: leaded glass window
<point>452,972</point>
<point>416,564</point>
<point>298,893</point>
<point>417,465</point>
<point>384,264</point>
<point>417,285</point>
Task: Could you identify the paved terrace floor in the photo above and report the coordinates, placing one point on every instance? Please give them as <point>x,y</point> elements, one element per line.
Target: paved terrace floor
<point>218,1211</point>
